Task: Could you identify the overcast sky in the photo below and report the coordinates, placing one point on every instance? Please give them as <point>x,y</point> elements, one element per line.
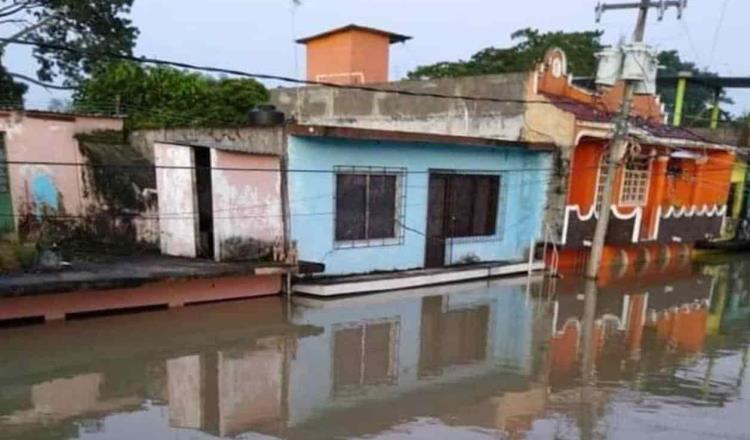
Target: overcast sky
<point>256,35</point>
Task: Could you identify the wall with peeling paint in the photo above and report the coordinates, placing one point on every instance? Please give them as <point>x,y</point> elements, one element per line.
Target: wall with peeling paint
<point>388,111</point>
<point>41,137</point>
<point>247,204</point>
<point>177,205</point>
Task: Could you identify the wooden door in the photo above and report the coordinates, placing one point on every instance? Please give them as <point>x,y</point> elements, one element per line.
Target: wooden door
<point>435,240</point>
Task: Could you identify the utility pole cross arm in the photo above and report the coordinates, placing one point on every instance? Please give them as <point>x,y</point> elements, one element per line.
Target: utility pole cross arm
<point>661,5</point>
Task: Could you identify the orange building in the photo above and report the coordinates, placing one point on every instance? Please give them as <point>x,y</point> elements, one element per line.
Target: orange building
<point>671,187</point>
<point>350,55</point>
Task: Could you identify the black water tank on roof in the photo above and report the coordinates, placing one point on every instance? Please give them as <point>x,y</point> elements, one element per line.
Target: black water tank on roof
<point>265,116</point>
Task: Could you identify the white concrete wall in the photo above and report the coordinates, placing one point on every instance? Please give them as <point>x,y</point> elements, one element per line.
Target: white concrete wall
<point>178,215</point>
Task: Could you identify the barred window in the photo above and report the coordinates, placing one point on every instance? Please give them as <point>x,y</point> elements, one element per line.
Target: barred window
<point>367,205</point>
<point>635,181</point>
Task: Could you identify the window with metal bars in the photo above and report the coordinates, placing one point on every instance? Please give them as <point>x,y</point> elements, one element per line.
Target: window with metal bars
<point>634,191</point>
<point>367,205</point>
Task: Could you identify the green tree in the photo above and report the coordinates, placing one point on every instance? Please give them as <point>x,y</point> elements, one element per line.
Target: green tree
<point>580,48</point>
<point>90,27</point>
<point>167,97</point>
<point>11,91</point>
<point>529,49</point>
<point>698,99</point>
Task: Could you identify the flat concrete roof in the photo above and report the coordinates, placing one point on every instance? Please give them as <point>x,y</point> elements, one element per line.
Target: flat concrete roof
<point>304,130</point>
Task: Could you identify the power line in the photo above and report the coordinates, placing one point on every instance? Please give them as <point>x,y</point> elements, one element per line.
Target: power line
<point>717,32</point>
<point>183,65</point>
<point>367,169</point>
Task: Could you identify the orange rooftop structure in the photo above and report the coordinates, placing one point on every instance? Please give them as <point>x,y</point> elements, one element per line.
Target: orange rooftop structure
<point>350,55</point>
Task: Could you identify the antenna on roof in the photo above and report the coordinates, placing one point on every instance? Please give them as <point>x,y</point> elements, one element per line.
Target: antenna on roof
<point>293,15</point>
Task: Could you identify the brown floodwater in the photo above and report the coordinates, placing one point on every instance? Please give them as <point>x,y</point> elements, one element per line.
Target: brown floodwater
<point>653,352</point>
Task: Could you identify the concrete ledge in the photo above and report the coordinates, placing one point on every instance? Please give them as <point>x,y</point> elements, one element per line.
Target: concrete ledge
<point>318,302</point>
<point>129,272</point>
<point>409,279</point>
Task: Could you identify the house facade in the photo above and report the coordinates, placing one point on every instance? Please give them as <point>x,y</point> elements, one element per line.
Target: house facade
<point>221,201</point>
<point>671,187</point>
<point>41,168</point>
<point>369,200</point>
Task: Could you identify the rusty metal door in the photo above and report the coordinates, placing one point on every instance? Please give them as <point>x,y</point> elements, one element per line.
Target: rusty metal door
<point>7,223</point>
<point>436,234</point>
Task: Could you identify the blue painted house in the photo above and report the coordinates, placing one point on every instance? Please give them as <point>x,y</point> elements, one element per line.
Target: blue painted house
<point>363,200</point>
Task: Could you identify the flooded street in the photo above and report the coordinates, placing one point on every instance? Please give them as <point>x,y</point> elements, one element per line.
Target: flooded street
<point>659,352</point>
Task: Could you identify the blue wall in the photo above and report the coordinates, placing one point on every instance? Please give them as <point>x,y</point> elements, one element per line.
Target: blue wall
<point>520,210</point>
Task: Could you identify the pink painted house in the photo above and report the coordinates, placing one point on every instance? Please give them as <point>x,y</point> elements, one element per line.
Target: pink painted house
<point>34,148</point>
<point>221,201</point>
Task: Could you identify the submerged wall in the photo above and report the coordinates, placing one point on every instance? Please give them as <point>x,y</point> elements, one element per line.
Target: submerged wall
<point>523,194</point>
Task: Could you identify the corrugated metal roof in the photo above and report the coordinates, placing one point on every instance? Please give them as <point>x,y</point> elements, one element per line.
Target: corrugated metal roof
<point>591,113</point>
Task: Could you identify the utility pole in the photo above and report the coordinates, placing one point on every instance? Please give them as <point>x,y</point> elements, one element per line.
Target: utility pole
<point>620,138</point>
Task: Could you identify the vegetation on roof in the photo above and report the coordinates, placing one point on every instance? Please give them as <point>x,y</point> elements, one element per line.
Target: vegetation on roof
<point>160,96</point>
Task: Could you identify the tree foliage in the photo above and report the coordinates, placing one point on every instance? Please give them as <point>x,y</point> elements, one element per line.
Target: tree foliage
<point>698,99</point>
<point>529,49</point>
<point>11,91</point>
<point>89,27</point>
<point>580,48</point>
<point>167,97</point>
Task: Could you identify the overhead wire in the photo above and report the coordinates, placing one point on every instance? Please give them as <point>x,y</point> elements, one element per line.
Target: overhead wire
<point>717,32</point>
<point>266,76</point>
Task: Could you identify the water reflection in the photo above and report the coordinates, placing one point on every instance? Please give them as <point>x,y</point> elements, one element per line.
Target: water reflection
<point>633,355</point>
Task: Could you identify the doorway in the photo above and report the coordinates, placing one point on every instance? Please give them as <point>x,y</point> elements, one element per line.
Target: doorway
<point>459,206</point>
<point>204,196</point>
<point>436,212</point>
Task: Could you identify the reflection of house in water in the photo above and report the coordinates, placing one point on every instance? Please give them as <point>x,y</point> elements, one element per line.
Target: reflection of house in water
<point>380,354</point>
<point>209,368</point>
<point>485,355</point>
<point>731,300</point>
<point>648,320</point>
<point>228,392</point>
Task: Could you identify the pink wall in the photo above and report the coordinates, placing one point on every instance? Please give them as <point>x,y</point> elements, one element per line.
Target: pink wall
<point>171,293</point>
<point>33,137</point>
<point>246,200</point>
